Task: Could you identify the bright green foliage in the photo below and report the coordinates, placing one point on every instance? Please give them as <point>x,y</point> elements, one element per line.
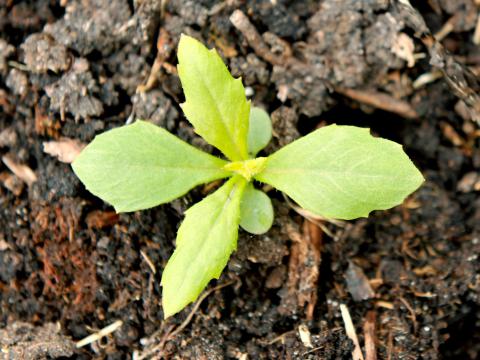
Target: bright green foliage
<point>215,102</point>
<point>205,240</point>
<point>259,131</point>
<point>337,171</point>
<point>342,172</point>
<point>247,168</point>
<point>256,211</point>
<point>139,166</point>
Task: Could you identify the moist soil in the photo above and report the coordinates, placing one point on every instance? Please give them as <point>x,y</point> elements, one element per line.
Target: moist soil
<point>408,278</point>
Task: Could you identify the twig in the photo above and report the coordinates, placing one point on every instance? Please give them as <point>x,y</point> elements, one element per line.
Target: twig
<point>243,24</point>
<point>476,34</point>
<point>149,262</point>
<point>446,29</point>
<point>381,101</point>
<point>22,171</point>
<point>369,333</point>
<point>18,66</point>
<point>385,304</point>
<point>313,218</point>
<point>276,339</point>
<point>427,78</point>
<point>389,345</point>
<point>100,334</point>
<point>313,350</point>
<point>411,311</point>
<point>351,333</point>
<point>164,49</point>
<point>195,308</point>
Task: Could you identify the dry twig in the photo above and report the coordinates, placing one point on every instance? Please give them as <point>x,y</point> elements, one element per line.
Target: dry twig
<point>413,316</point>
<point>369,333</point>
<point>243,24</point>
<point>149,262</point>
<point>164,49</point>
<point>100,334</point>
<point>21,171</point>
<point>380,101</point>
<point>351,333</point>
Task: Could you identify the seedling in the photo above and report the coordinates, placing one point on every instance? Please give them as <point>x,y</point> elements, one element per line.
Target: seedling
<point>339,172</point>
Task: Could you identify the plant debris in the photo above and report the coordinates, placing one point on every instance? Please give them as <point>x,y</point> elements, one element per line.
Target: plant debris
<point>65,149</point>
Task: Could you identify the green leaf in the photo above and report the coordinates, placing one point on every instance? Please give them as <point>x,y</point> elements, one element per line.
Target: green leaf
<point>141,165</point>
<point>205,240</point>
<point>342,172</point>
<point>259,130</point>
<point>215,102</point>
<point>256,211</point>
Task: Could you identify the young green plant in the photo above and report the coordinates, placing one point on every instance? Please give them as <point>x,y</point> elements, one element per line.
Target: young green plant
<point>339,172</point>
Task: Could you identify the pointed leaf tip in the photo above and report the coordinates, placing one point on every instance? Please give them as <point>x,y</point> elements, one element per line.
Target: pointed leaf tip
<point>215,104</point>
<point>342,172</point>
<point>141,165</point>
<point>205,240</point>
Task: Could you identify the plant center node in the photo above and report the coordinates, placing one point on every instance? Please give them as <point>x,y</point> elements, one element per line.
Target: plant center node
<point>247,168</point>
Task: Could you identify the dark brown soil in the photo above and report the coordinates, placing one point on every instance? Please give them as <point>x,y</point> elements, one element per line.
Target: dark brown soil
<point>409,277</point>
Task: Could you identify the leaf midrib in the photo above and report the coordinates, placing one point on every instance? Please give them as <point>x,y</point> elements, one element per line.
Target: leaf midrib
<point>217,109</point>
<point>320,171</point>
<point>218,216</point>
<point>219,169</point>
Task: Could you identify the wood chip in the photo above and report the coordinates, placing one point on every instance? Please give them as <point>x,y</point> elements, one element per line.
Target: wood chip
<point>22,171</point>
<point>65,149</point>
<point>305,336</point>
<point>303,269</point>
<point>357,283</point>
